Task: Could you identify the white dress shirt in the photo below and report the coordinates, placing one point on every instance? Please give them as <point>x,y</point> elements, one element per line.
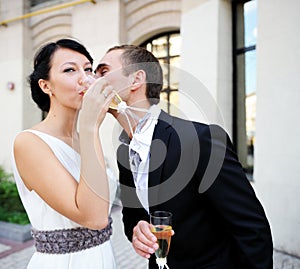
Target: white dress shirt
<point>139,153</point>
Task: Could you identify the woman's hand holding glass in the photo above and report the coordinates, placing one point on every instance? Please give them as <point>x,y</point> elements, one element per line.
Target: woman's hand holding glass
<point>88,81</point>
<point>97,96</point>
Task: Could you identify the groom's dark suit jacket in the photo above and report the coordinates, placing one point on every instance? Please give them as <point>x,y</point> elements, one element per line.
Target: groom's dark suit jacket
<point>195,174</point>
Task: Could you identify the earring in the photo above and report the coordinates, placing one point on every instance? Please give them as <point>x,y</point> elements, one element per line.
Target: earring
<point>50,93</point>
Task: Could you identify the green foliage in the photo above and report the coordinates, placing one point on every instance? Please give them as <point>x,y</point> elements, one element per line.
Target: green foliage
<point>11,207</point>
<point>4,175</point>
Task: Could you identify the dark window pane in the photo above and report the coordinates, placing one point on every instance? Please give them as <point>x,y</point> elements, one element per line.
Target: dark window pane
<point>37,2</point>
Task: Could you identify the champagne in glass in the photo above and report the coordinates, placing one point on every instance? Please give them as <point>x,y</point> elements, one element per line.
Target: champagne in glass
<point>115,102</point>
<point>162,228</point>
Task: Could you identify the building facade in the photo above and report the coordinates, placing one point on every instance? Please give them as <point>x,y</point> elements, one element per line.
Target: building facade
<point>209,62</point>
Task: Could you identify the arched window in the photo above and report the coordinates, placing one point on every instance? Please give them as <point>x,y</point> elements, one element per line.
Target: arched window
<point>166,47</point>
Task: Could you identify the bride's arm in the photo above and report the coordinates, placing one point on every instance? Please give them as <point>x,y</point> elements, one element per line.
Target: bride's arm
<point>86,202</point>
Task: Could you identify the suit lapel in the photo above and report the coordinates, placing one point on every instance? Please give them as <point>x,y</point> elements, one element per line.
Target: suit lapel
<point>158,151</point>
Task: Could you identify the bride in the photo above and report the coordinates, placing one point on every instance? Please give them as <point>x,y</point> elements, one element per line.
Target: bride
<point>59,165</point>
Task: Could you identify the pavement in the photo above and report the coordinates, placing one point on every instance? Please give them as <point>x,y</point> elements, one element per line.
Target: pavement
<point>15,255</point>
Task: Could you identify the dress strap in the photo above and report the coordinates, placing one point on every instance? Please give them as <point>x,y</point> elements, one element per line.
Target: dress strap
<point>65,241</point>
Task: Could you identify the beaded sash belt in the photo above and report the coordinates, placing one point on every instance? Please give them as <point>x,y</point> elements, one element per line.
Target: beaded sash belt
<point>70,240</point>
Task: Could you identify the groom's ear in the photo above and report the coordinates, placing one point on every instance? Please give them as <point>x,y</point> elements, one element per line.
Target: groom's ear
<point>138,79</point>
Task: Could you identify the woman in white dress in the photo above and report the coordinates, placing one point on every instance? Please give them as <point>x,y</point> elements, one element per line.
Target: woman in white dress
<point>59,165</point>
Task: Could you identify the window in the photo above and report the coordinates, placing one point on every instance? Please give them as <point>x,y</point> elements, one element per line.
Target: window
<point>166,48</point>
<point>34,3</point>
<point>244,80</point>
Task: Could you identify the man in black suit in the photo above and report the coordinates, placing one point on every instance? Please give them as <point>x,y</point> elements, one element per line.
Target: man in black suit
<point>185,167</point>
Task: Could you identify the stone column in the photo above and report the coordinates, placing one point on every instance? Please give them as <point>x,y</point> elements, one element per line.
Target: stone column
<point>277,154</point>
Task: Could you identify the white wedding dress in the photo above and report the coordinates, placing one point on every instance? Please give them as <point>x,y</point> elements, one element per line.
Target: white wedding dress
<point>43,217</point>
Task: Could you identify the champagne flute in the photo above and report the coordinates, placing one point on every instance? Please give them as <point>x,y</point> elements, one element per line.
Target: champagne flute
<point>88,81</point>
<point>162,228</point>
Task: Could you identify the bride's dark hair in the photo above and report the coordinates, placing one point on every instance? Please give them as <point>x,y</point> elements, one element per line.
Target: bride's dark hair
<point>42,65</point>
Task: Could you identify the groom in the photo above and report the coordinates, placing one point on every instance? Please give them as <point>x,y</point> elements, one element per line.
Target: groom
<point>187,168</point>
